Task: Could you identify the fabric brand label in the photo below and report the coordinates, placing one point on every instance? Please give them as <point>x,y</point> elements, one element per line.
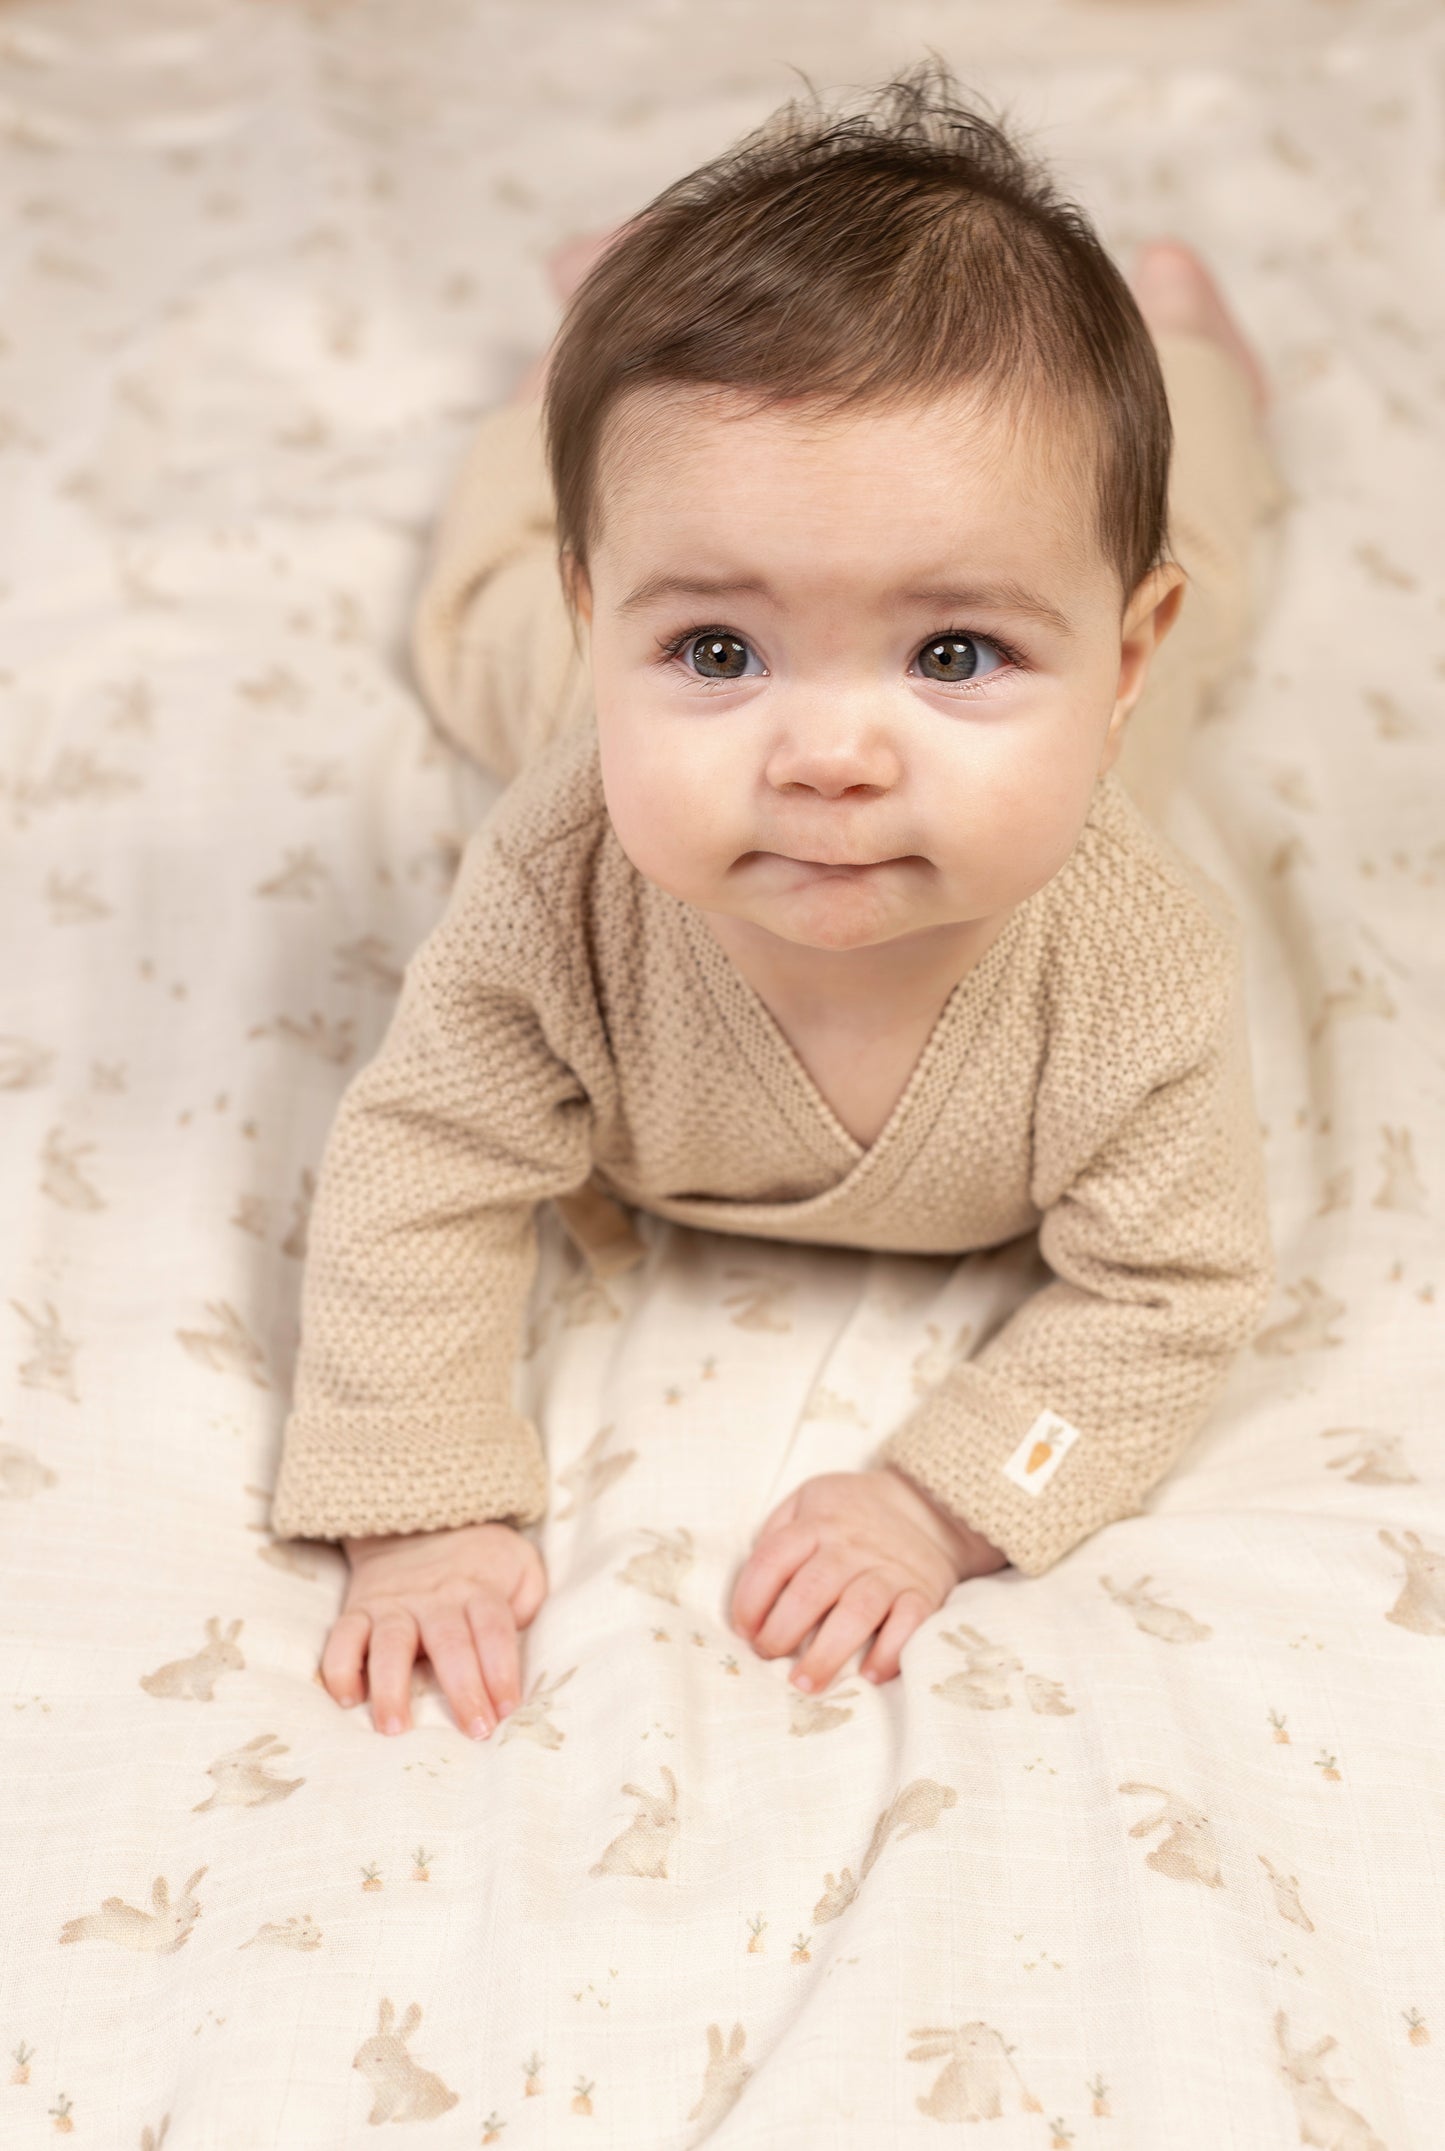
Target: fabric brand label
<point>1040,1453</point>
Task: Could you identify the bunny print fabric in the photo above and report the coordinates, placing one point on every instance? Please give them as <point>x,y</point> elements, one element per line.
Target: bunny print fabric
<point>1136,1852</point>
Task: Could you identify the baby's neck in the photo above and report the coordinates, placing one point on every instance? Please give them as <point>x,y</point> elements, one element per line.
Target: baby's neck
<point>855,990</point>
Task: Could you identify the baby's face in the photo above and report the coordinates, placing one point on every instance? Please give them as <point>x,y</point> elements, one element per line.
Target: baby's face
<point>887,640</point>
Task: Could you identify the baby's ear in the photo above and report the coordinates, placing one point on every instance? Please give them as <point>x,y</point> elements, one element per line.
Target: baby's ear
<point>1166,612</point>
<point>576,585</point>
<point>1156,601</point>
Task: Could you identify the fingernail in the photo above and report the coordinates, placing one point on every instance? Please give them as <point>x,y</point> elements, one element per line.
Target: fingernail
<point>391,1725</point>
<point>801,1680</point>
<point>479,1729</point>
<point>504,1710</point>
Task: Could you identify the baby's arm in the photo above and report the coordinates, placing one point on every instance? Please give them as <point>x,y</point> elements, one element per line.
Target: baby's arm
<point>1160,1243</point>
<point>422,1242</point>
<point>422,1249</point>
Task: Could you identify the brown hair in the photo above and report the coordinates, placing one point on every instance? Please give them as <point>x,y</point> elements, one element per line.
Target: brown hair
<point>899,253</point>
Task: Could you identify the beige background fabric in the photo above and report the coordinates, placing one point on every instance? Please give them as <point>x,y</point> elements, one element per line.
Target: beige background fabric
<point>1141,1852</point>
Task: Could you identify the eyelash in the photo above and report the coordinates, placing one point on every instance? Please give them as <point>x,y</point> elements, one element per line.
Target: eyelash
<point>671,647</point>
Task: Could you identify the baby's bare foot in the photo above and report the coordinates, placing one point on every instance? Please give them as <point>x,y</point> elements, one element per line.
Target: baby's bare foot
<point>1175,291</point>
<point>568,263</point>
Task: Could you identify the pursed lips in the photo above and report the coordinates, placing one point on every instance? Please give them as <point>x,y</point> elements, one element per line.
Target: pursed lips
<point>834,866</point>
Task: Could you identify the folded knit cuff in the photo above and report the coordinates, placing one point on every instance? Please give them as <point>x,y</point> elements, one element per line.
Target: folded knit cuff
<point>1011,1467</point>
<point>359,1475</point>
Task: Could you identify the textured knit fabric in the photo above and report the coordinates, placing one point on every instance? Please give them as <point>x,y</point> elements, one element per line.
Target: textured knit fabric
<point>570,1031</point>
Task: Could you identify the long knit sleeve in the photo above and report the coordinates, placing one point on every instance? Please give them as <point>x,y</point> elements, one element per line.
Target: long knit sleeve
<point>422,1245</point>
<point>1160,1247</point>
<point>492,643</point>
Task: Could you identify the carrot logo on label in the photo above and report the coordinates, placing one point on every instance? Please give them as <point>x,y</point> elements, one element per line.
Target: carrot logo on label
<point>1040,1453</point>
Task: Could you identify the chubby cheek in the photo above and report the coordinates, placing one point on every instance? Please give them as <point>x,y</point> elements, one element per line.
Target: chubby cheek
<point>666,817</point>
<point>1041,791</point>
<point>1032,832</point>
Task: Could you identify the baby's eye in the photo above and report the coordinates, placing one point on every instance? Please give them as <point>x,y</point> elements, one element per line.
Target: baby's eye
<point>718,654</point>
<point>955,656</point>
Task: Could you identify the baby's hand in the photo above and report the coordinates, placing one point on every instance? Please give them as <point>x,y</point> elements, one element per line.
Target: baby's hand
<point>462,1595</point>
<point>870,1546</point>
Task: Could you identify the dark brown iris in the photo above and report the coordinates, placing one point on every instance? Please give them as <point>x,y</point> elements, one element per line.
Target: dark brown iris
<point>954,656</point>
<point>714,657</point>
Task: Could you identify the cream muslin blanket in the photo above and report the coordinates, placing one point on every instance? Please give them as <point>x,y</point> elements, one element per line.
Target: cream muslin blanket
<point>1140,1853</point>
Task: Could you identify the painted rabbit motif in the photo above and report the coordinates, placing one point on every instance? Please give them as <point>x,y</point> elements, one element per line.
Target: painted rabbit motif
<point>1308,1327</point>
<point>1377,1459</point>
<point>838,1893</point>
<point>759,1299</point>
<point>241,1779</point>
<point>1362,997</point>
<point>158,1932</point>
<point>194,1679</point>
<point>589,1478</point>
<point>819,1713</point>
<point>300,1931</point>
<point>52,1364</point>
<point>662,1569</point>
<point>937,1358</point>
<point>401,2089</point>
<point>1170,1623</point>
<point>980,2066</point>
<point>1421,1603</point>
<point>22,1474</point>
<point>984,1682</point>
<point>228,1346</point>
<point>917,1807</point>
<point>1189,1852</point>
<point>643,1847</point>
<point>1401,1188</point>
<point>23,1064</point>
<point>723,2079</point>
<point>1325,2122</point>
<point>63,1179</point>
<point>1286,1895</point>
<point>530,1718</point>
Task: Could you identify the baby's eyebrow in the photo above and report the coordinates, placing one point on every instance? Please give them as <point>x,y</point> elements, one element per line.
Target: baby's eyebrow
<point>661,586</point>
<point>1002,596</point>
<point>1006,596</point>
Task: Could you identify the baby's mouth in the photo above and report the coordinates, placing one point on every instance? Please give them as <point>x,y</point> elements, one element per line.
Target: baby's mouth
<point>830,866</point>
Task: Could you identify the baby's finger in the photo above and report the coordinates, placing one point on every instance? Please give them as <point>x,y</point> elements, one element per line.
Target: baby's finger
<point>783,1514</point>
<point>860,1607</point>
<point>804,1599</point>
<point>389,1662</point>
<point>342,1657</point>
<point>495,1633</point>
<point>767,1569</point>
<point>529,1594</point>
<point>910,1610</point>
<point>448,1642</point>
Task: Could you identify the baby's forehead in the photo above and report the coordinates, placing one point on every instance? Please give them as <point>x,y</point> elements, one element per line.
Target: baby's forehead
<point>980,424</point>
<point>968,462</point>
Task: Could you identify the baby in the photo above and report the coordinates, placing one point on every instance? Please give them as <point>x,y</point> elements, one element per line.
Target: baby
<point>815,906</point>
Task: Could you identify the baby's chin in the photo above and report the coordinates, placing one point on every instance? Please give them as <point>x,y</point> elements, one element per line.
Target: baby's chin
<point>830,913</point>
<point>811,906</point>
